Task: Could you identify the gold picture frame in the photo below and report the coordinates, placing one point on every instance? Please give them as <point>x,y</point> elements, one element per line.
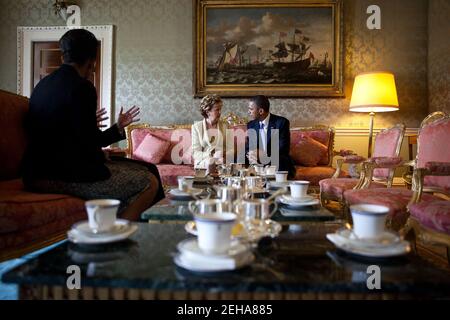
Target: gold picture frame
<point>273,47</point>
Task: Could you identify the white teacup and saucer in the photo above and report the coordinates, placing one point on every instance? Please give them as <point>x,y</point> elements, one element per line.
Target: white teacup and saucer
<point>102,225</point>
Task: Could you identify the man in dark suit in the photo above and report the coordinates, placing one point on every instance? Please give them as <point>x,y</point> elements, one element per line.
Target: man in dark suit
<point>267,131</point>
<point>64,154</point>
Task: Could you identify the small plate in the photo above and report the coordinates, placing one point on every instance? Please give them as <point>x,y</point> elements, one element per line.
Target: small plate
<point>75,236</point>
<point>119,227</point>
<point>397,249</point>
<point>199,265</point>
<point>191,192</point>
<point>291,199</point>
<point>386,239</point>
<point>190,247</point>
<point>311,202</point>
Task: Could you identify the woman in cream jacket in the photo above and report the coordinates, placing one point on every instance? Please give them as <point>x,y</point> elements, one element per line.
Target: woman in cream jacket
<point>208,135</point>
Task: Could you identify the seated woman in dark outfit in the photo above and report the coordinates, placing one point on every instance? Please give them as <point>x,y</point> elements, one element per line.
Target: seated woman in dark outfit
<point>65,154</point>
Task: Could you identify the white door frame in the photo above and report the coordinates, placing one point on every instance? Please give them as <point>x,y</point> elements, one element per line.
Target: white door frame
<point>27,35</point>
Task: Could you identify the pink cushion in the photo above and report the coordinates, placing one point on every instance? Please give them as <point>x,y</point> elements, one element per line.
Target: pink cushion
<point>151,149</point>
<point>431,140</point>
<point>175,136</point>
<point>385,146</point>
<point>387,162</point>
<point>395,199</point>
<point>170,172</point>
<point>315,174</point>
<point>322,136</point>
<point>337,187</point>
<point>307,151</point>
<point>433,214</point>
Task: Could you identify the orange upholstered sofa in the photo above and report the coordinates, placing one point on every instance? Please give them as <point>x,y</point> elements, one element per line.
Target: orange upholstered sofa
<point>27,220</point>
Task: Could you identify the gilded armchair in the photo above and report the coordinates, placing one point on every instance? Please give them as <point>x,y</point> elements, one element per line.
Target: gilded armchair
<point>434,133</point>
<point>387,146</point>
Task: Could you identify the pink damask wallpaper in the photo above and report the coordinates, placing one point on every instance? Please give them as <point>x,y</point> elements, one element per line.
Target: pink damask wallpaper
<point>153,58</point>
<point>439,55</point>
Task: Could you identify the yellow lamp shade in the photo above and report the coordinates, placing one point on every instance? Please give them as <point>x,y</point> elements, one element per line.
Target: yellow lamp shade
<point>374,92</point>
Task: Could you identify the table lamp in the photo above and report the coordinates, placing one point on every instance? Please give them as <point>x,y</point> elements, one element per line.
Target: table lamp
<point>374,92</point>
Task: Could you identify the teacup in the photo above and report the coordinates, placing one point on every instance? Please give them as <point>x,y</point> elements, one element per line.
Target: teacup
<point>214,231</point>
<point>185,182</point>
<point>299,188</point>
<point>102,214</point>
<point>368,220</point>
<point>205,206</point>
<point>281,176</point>
<point>270,170</point>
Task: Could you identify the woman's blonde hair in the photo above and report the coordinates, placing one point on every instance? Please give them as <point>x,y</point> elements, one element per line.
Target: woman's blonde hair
<point>208,103</point>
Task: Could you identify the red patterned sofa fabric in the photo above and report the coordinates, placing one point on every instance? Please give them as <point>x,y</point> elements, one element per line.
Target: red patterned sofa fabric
<point>322,136</point>
<point>170,172</point>
<point>315,174</point>
<point>39,233</point>
<point>433,214</point>
<point>432,139</point>
<point>21,210</point>
<point>337,187</point>
<point>13,109</point>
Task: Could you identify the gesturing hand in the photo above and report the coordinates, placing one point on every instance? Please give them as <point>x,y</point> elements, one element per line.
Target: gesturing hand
<point>100,117</point>
<point>128,117</point>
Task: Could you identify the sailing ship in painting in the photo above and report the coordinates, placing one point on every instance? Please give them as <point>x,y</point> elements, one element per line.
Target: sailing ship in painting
<point>289,62</point>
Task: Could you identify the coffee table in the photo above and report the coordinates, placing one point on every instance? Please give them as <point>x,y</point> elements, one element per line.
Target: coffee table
<point>299,264</point>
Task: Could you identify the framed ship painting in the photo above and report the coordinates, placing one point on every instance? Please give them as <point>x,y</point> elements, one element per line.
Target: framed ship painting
<point>277,48</point>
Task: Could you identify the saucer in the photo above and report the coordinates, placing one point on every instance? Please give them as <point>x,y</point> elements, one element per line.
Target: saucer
<point>119,227</point>
<point>295,203</point>
<point>78,233</point>
<point>189,247</point>
<point>189,193</point>
<point>192,258</point>
<point>387,238</point>
<point>395,249</point>
<point>291,199</point>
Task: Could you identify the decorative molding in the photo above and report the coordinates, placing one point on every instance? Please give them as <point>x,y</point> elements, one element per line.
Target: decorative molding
<point>27,35</point>
<point>365,131</point>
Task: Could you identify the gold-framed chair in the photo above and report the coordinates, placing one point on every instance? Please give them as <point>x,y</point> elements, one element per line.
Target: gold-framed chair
<point>387,145</point>
<point>430,148</point>
<point>429,221</point>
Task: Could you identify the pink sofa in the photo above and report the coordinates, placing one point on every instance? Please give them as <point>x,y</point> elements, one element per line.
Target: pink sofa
<point>322,142</point>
